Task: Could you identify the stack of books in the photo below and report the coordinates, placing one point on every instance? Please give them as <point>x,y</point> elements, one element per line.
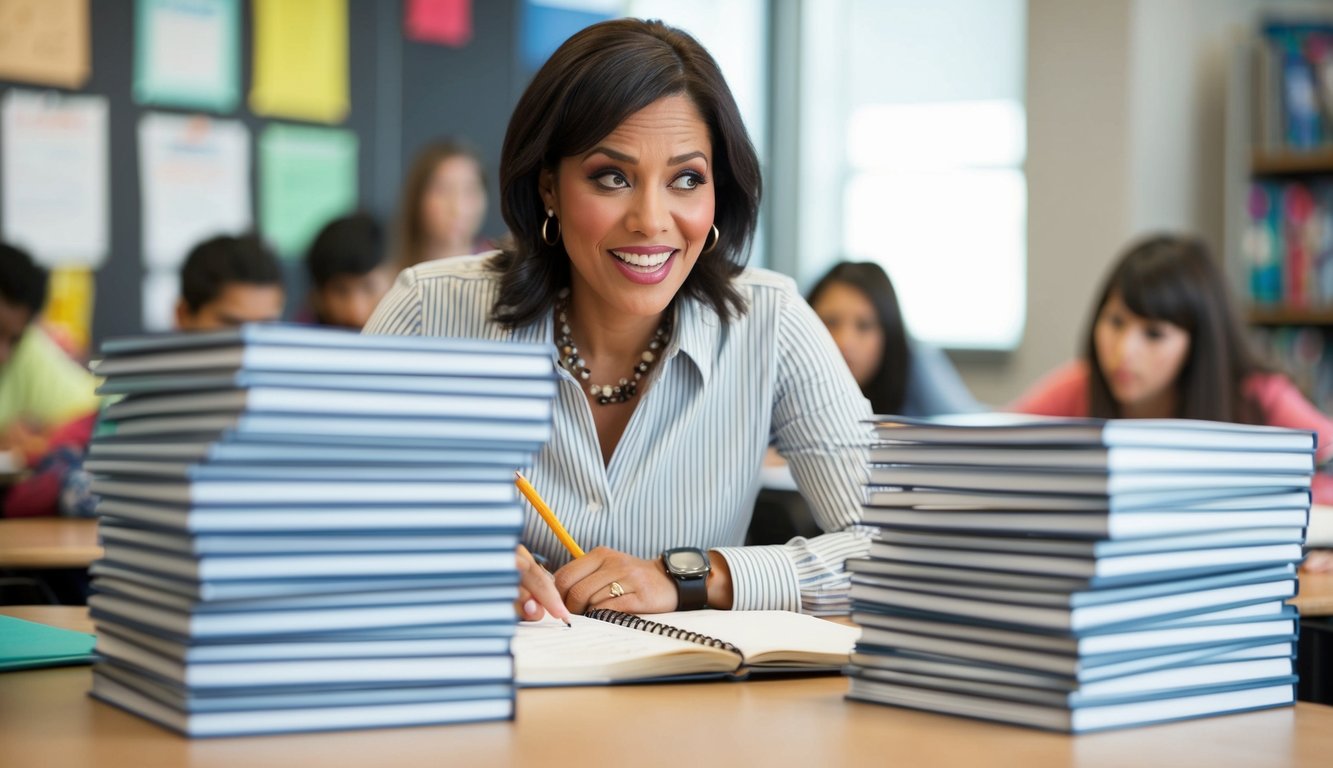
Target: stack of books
<point>1079,575</point>
<point>310,529</point>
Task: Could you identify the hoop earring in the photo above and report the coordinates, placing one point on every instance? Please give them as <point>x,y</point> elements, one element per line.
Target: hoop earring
<point>709,248</point>
<point>550,216</point>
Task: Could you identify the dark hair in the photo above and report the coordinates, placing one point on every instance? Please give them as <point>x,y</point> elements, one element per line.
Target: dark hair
<point>218,261</point>
<point>887,389</point>
<point>351,245</point>
<point>22,281</point>
<point>408,240</point>
<point>1174,279</point>
<point>588,87</point>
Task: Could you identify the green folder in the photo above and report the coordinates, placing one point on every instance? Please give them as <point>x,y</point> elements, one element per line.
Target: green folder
<point>25,644</point>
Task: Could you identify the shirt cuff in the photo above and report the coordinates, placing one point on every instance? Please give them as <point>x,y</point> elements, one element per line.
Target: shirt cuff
<point>762,578</point>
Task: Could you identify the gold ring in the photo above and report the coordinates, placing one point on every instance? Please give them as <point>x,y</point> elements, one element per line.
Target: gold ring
<point>616,589</point>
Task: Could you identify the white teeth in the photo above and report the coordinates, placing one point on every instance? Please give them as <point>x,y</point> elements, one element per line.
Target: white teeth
<point>644,260</point>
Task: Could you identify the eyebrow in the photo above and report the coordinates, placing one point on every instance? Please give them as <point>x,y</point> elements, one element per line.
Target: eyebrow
<point>624,158</point>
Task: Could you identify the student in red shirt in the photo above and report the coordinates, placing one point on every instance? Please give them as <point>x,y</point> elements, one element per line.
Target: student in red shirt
<point>1165,342</point>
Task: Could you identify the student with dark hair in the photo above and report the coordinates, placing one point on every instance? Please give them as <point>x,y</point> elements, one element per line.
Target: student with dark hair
<point>227,281</point>
<point>41,388</point>
<point>442,206</point>
<point>1164,342</point>
<point>632,191</point>
<point>348,271</point>
<point>898,374</point>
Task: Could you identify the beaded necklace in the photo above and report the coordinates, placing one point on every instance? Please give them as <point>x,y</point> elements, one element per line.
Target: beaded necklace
<point>606,394</point>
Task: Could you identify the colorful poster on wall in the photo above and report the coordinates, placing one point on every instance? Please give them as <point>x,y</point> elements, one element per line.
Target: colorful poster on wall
<point>300,60</point>
<point>194,183</point>
<point>446,22</point>
<point>548,23</point>
<point>187,53</point>
<point>68,314</point>
<point>307,176</point>
<point>53,176</point>
<point>45,42</point>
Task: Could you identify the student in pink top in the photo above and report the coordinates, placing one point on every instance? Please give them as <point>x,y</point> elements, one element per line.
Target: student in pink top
<point>1165,342</point>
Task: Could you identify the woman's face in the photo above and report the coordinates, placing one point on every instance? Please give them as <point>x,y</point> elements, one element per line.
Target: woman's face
<point>851,320</point>
<point>636,209</point>
<point>1140,358</point>
<point>454,202</point>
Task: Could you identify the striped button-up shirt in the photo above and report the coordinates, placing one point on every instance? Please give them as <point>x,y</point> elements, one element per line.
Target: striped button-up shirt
<point>686,470</point>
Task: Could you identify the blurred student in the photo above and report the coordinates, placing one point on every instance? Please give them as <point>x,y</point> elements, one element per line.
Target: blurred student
<point>442,206</point>
<point>227,281</point>
<point>44,395</point>
<point>1164,341</point>
<point>348,271</point>
<point>897,374</point>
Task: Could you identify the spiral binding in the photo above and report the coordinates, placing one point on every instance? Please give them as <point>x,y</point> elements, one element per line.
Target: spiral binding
<point>665,630</point>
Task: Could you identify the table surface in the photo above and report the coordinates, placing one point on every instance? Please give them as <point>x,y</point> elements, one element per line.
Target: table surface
<point>48,542</point>
<point>46,718</point>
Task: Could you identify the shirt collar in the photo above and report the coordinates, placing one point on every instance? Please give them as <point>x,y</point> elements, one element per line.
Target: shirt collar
<point>697,331</point>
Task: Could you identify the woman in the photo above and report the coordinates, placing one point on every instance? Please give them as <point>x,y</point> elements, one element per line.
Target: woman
<point>442,206</point>
<point>632,191</point>
<point>1165,342</point>
<point>898,374</point>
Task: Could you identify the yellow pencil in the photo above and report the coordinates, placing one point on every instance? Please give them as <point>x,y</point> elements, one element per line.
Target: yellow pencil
<point>530,493</point>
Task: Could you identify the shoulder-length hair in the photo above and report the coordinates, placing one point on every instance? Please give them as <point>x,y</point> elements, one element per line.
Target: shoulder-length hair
<point>1175,280</point>
<point>589,86</point>
<point>887,389</point>
<point>408,244</point>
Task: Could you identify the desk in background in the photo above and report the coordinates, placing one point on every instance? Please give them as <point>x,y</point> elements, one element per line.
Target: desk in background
<point>46,718</point>
<point>48,542</point>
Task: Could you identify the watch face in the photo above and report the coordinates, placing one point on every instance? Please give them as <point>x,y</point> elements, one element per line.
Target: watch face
<point>686,561</point>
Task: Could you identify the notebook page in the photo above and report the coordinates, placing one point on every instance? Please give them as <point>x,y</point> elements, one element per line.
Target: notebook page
<point>771,636</point>
<point>591,652</point>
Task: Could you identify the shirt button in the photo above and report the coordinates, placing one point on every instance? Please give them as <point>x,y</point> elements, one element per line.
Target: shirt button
<point>594,507</point>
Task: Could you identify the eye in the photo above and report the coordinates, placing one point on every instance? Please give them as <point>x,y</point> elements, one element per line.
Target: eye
<point>1154,332</point>
<point>610,179</point>
<point>688,180</point>
<point>865,326</point>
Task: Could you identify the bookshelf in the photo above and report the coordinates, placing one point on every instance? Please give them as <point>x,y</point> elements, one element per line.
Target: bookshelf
<point>1279,194</point>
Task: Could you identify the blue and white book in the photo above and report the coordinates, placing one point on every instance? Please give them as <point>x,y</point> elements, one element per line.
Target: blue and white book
<point>1008,429</point>
<point>1081,719</point>
<point>1111,460</point>
<point>274,452</point>
<point>285,719</point>
<point>202,545</point>
<point>460,593</point>
<point>302,492</point>
<point>127,469</point>
<point>1074,482</point>
<point>1076,611</point>
<point>305,566</point>
<point>1083,548</point>
<point>367,381</point>
<point>269,516</point>
<point>331,401</point>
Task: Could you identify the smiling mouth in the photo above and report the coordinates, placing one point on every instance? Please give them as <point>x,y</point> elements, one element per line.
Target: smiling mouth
<point>643,262</point>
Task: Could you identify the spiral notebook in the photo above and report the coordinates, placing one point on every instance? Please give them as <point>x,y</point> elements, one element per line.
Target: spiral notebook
<point>606,646</point>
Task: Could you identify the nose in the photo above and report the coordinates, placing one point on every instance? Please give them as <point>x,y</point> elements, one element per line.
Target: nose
<point>648,214</point>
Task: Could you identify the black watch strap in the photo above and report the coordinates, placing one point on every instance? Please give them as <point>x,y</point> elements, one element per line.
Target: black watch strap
<point>691,592</point>
<point>688,567</point>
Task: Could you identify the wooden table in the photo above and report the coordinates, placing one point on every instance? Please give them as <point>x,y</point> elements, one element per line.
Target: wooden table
<point>48,542</point>
<point>1315,597</point>
<point>46,718</point>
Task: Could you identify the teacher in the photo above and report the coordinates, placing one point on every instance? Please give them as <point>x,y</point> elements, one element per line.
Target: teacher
<point>631,191</point>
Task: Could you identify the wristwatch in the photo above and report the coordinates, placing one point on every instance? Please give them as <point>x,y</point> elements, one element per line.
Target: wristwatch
<point>688,567</point>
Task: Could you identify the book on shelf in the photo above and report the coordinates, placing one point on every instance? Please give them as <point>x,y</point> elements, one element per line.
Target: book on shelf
<point>331,401</point>
<point>1075,654</point>
<point>1129,459</point>
<point>362,381</point>
<point>1013,430</point>
<point>28,644</point>
<point>182,448</point>
<point>343,516</point>
<point>608,646</point>
<point>1073,482</point>
<point>345,430</point>
<point>1099,570</point>
<point>300,492</point>
<point>279,717</point>
<point>1081,719</point>
<point>1077,610</point>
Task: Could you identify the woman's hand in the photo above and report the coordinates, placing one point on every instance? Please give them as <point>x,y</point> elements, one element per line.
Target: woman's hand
<point>586,583</point>
<point>537,595</point>
<point>1318,561</point>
